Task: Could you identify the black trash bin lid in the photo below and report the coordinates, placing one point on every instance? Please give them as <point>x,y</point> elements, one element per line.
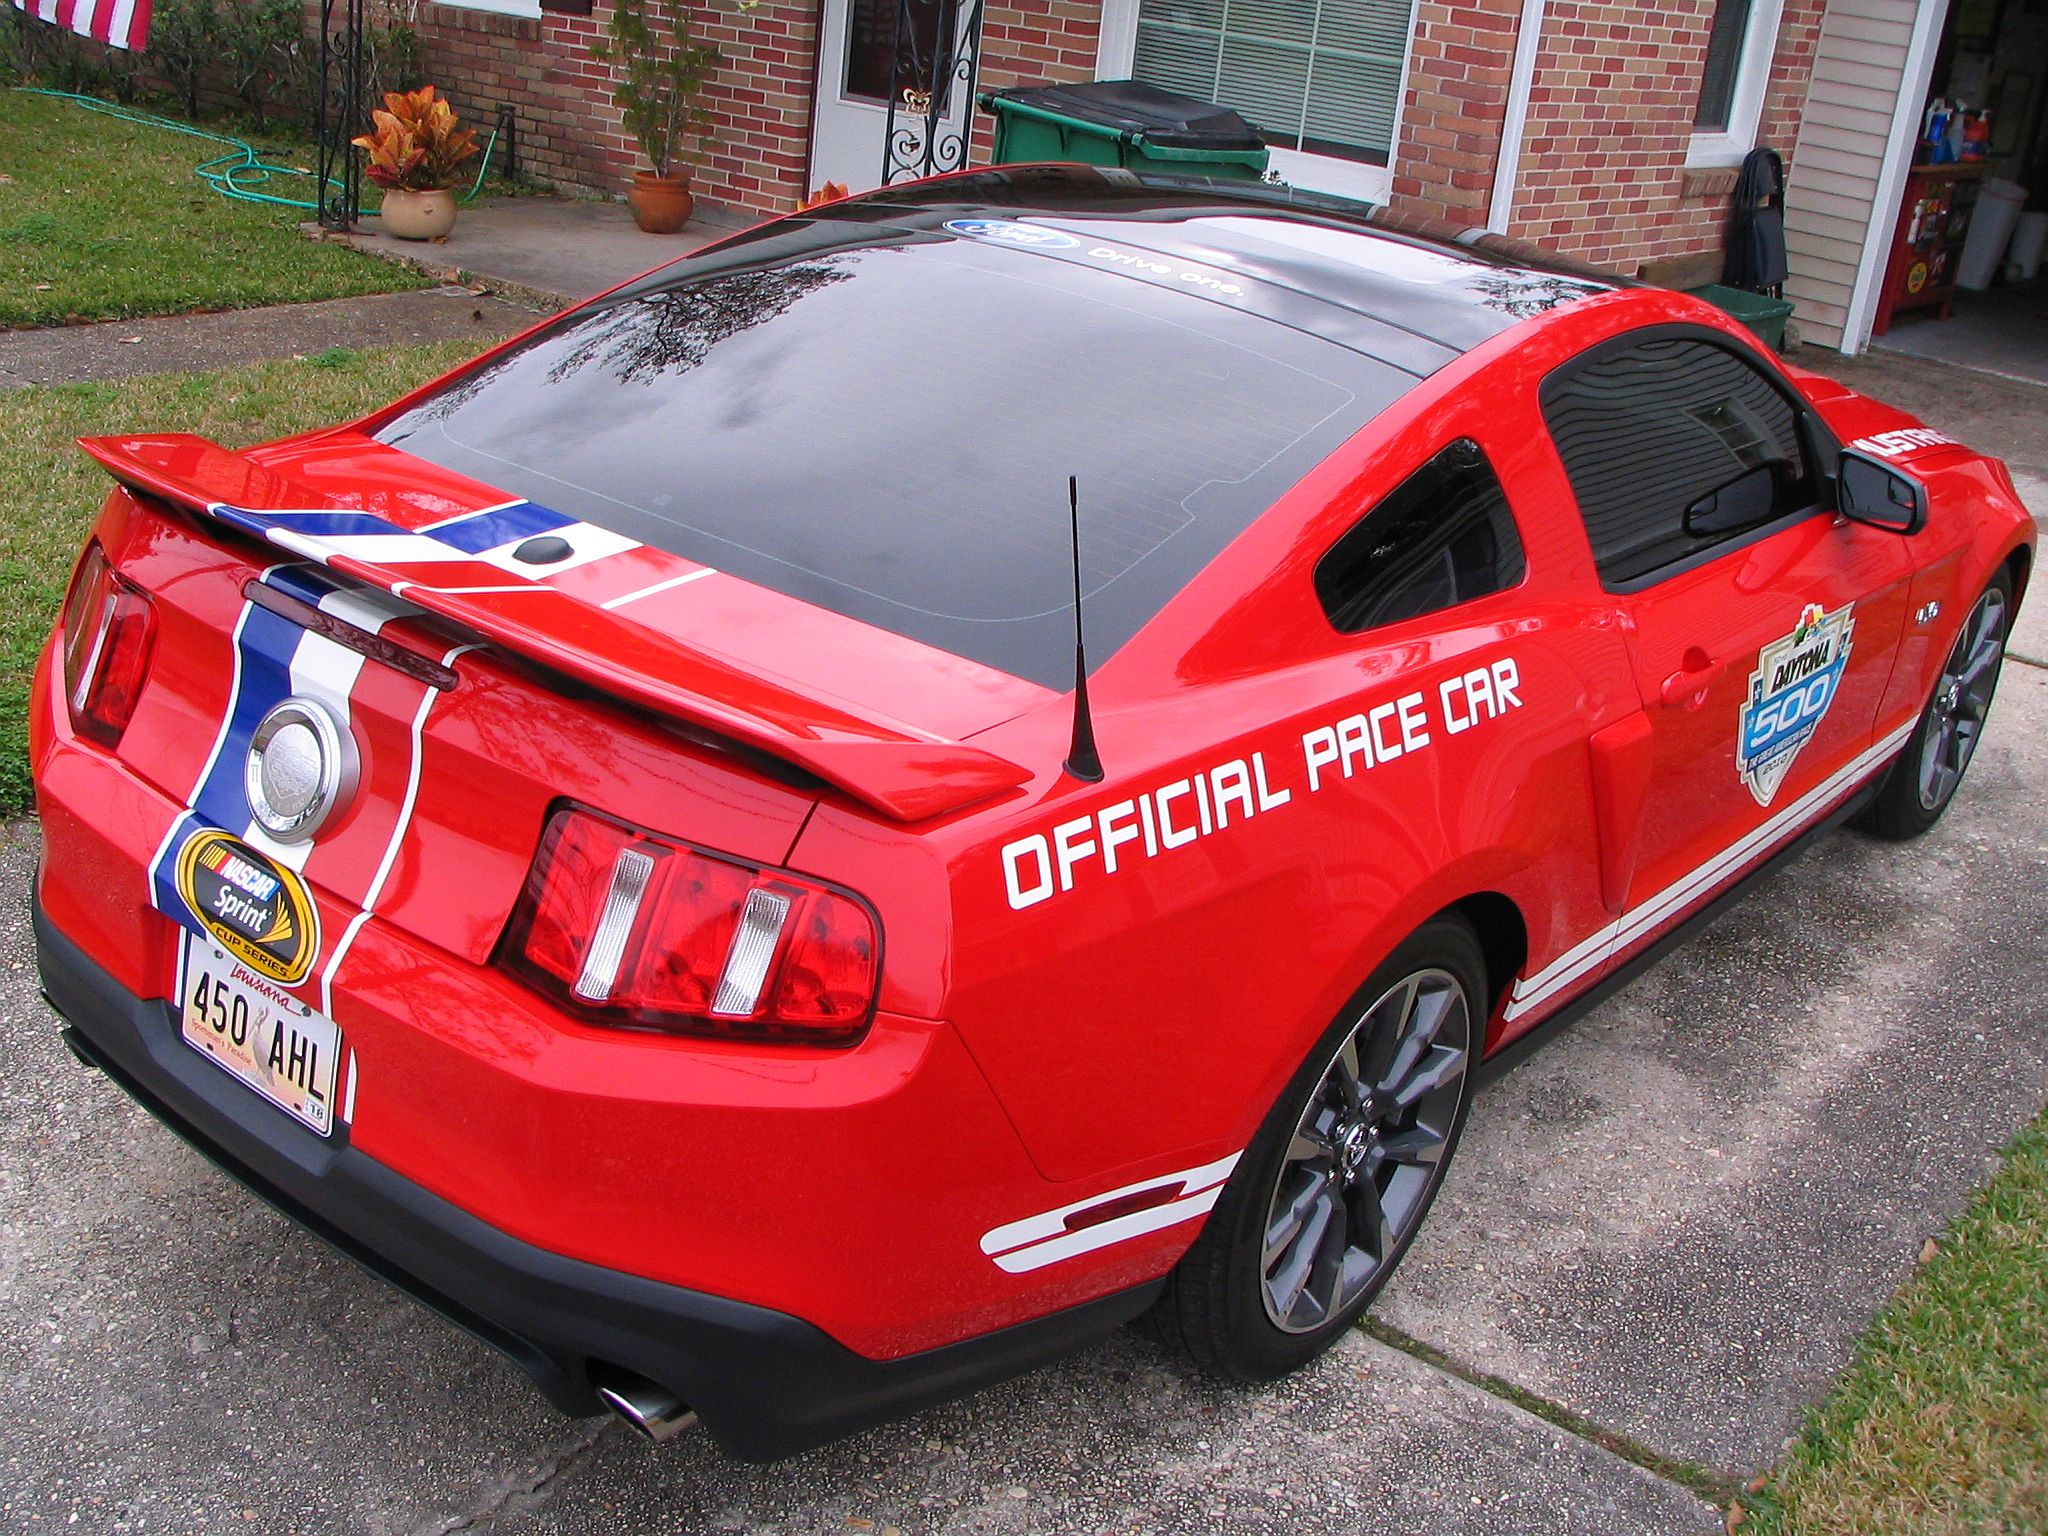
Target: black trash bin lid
<point>1166,118</point>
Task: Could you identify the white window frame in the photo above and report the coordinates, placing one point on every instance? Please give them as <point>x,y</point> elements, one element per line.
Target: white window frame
<point>502,7</point>
<point>1117,50</point>
<point>1710,148</point>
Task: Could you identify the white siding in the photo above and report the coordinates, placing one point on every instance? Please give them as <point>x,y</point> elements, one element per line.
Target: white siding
<point>1858,73</point>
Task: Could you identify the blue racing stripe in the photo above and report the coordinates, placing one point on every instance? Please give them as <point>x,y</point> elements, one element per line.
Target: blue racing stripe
<point>265,649</point>
<point>325,525</point>
<point>308,583</point>
<point>502,525</point>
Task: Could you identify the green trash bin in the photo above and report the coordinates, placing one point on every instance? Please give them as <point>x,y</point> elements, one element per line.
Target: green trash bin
<point>1126,123</point>
<point>1763,314</point>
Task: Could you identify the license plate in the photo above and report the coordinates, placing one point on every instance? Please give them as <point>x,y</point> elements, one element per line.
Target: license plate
<point>262,1034</point>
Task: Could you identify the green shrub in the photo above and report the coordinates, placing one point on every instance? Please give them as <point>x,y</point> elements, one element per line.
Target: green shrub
<point>260,42</point>
<point>184,40</point>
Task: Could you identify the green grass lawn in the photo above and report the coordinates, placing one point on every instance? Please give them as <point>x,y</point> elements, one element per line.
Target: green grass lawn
<point>1941,1424</point>
<point>101,219</point>
<point>50,493</point>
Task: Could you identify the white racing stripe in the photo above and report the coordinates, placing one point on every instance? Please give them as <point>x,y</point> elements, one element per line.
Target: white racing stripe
<point>326,671</point>
<point>399,827</point>
<point>1036,1241</point>
<point>1638,921</point>
<point>659,586</point>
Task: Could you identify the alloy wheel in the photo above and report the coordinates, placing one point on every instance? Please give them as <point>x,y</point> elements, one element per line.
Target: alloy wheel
<point>1366,1151</point>
<point>1961,700</point>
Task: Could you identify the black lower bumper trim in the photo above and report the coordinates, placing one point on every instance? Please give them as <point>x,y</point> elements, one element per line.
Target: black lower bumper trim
<point>765,1384</point>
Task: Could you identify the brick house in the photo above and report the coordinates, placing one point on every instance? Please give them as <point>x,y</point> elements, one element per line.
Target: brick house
<point>1606,129</point>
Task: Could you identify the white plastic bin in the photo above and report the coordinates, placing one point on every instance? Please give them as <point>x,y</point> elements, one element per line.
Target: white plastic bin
<point>2023,257</point>
<point>1998,210</point>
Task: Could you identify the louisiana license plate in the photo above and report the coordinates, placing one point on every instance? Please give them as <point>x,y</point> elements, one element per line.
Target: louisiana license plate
<point>259,1032</point>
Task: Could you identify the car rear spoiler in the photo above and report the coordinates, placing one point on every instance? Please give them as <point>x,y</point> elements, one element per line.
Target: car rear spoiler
<point>884,764</point>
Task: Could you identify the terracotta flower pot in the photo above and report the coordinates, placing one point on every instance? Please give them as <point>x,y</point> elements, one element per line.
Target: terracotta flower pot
<point>419,215</point>
<point>661,204</point>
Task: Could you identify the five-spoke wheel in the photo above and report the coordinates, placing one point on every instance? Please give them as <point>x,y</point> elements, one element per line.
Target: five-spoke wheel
<point>1332,1189</point>
<point>1365,1150</point>
<point>1931,768</point>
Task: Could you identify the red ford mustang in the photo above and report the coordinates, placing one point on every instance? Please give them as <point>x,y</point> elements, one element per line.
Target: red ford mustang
<point>614,840</point>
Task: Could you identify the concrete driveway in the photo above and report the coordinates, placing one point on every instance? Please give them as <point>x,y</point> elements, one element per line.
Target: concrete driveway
<point>1667,1230</point>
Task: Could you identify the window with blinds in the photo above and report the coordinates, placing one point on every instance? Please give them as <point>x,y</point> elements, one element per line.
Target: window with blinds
<point>1318,75</point>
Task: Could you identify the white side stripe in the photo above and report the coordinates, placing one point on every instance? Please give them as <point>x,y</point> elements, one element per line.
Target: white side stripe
<point>1637,921</point>
<point>1044,1239</point>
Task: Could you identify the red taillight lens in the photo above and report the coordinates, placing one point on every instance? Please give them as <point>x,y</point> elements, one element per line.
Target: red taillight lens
<point>624,926</point>
<point>108,631</point>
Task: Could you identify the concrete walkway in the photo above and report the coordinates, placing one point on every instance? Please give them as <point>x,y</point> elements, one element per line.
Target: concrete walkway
<point>117,349</point>
<point>547,251</point>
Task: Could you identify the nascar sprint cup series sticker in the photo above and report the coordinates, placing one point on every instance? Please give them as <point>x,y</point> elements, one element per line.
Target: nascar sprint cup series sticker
<point>1795,681</point>
<point>259,911</point>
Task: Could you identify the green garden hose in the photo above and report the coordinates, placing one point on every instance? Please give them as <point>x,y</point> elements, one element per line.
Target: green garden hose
<point>239,173</point>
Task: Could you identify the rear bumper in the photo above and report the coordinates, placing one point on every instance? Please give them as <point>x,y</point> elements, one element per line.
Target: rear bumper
<point>766,1384</point>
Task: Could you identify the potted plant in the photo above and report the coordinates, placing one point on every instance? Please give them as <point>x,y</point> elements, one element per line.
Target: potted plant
<point>660,68</point>
<point>414,155</point>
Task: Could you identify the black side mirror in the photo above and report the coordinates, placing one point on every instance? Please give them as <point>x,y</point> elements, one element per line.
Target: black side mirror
<point>1744,502</point>
<point>1869,491</point>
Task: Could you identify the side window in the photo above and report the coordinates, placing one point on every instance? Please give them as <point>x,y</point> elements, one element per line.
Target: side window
<point>1443,536</point>
<point>1672,446</point>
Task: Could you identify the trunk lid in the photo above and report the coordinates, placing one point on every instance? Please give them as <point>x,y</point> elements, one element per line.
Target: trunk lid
<point>872,713</point>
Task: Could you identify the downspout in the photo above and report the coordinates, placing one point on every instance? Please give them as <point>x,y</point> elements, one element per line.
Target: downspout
<point>1527,37</point>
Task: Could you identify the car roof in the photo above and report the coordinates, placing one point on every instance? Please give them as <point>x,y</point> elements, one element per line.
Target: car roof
<point>876,408</point>
<point>1410,293</point>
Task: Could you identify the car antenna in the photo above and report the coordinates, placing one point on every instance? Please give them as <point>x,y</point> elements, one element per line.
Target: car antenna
<point>1082,761</point>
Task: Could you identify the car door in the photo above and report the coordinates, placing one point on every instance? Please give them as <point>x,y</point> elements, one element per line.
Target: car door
<point>1762,626</point>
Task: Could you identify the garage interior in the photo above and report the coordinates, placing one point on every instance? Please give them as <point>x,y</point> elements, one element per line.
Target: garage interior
<point>1966,281</point>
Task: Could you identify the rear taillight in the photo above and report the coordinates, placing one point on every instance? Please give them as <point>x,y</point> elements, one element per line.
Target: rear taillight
<point>623,926</point>
<point>108,630</point>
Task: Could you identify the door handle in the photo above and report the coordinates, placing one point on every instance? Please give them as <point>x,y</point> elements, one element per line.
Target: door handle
<point>1687,687</point>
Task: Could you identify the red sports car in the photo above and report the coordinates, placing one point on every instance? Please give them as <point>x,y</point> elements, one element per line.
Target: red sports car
<point>967,765</point>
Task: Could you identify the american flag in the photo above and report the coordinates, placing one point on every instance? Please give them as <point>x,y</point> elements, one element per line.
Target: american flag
<point>117,23</point>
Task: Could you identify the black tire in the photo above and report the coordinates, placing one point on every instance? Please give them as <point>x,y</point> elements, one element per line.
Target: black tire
<point>1930,769</point>
<point>1414,1028</point>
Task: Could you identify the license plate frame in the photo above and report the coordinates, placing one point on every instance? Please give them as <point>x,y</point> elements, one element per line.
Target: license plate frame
<point>237,1027</point>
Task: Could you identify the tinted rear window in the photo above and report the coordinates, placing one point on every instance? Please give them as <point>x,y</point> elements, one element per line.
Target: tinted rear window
<point>887,431</point>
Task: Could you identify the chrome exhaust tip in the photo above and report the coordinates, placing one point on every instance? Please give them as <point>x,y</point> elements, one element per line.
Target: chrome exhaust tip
<point>654,1412</point>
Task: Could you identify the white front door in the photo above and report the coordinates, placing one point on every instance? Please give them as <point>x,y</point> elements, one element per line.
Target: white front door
<point>856,64</point>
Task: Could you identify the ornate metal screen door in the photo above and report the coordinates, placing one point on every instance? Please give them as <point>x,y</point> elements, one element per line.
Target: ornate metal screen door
<point>895,89</point>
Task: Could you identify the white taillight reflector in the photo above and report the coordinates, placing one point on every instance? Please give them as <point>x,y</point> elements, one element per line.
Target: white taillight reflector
<point>608,944</point>
<point>752,952</point>
<point>622,925</point>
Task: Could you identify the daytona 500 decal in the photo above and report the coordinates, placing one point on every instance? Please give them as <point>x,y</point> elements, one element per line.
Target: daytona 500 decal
<point>1795,681</point>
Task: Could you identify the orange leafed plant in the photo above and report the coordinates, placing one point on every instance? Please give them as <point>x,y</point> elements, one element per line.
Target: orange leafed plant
<point>417,145</point>
<point>831,192</point>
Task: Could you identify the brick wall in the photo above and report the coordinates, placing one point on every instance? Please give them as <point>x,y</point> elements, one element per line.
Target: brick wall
<point>1034,42</point>
<point>1449,135</point>
<point>1602,174</point>
<point>760,100</point>
<point>1603,162</point>
<point>569,131</point>
<point>1603,169</point>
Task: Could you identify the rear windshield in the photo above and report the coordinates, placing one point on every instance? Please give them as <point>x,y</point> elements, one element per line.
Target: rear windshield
<point>886,431</point>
